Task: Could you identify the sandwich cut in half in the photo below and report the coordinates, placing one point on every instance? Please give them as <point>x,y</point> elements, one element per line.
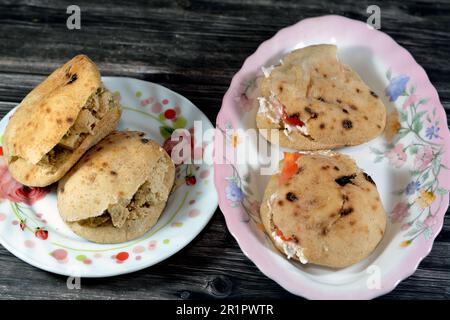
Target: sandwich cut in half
<point>57,122</point>
<point>316,102</point>
<point>118,189</point>
<point>322,209</point>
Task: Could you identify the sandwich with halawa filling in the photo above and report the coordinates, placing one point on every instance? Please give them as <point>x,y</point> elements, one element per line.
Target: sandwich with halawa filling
<point>58,121</point>
<point>118,189</point>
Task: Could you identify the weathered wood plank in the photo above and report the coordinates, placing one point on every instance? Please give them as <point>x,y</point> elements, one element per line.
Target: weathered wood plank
<point>194,48</point>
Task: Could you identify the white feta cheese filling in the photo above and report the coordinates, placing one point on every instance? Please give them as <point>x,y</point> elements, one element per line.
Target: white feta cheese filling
<point>290,248</point>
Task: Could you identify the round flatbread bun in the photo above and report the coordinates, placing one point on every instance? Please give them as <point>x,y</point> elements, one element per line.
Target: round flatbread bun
<point>327,212</point>
<point>118,189</point>
<point>57,122</point>
<point>317,103</point>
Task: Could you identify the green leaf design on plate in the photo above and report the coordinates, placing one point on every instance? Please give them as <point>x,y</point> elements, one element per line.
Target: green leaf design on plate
<point>166,241</point>
<point>428,233</point>
<point>179,122</point>
<point>428,184</point>
<point>418,115</point>
<point>138,94</point>
<point>417,125</point>
<point>378,159</point>
<point>161,116</point>
<point>435,165</point>
<point>423,101</point>
<point>375,150</point>
<point>402,116</point>
<point>248,84</point>
<point>402,132</point>
<point>415,173</point>
<point>413,150</point>
<point>166,131</point>
<point>441,191</point>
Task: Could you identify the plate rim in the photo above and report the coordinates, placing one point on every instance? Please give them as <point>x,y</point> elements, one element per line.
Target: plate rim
<point>133,268</point>
<point>256,259</point>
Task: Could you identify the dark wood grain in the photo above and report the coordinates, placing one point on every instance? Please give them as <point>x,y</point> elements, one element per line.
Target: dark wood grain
<point>194,48</point>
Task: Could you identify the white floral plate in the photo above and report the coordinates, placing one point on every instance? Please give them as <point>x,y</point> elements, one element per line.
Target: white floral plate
<point>31,228</point>
<point>409,163</point>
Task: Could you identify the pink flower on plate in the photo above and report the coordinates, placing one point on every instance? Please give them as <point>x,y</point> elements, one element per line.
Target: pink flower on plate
<point>423,158</point>
<point>397,157</point>
<point>14,191</point>
<point>411,100</point>
<point>400,211</point>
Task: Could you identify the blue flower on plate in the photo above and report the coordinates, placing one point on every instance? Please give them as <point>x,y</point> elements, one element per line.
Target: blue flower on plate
<point>396,87</point>
<point>233,192</point>
<point>432,132</point>
<point>412,187</point>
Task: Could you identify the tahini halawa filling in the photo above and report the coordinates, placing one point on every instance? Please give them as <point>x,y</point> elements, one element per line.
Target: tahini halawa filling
<point>150,193</point>
<point>97,106</point>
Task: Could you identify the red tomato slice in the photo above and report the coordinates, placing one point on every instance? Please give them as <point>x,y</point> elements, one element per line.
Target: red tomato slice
<point>293,120</point>
<point>290,167</point>
<point>282,236</point>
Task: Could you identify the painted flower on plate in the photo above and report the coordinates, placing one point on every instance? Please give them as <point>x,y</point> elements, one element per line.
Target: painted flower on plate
<point>397,156</point>
<point>412,187</point>
<point>423,158</point>
<point>425,199</point>
<point>14,191</point>
<point>396,87</point>
<point>432,132</point>
<point>233,192</point>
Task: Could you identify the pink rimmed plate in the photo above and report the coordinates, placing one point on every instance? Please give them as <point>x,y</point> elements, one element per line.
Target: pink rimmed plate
<point>31,228</point>
<point>409,162</point>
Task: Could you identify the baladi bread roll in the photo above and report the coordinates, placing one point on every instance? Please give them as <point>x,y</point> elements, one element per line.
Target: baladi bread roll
<point>317,103</point>
<point>118,190</point>
<point>322,209</point>
<point>57,122</point>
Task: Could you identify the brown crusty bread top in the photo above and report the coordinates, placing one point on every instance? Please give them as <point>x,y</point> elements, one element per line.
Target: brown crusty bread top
<point>50,109</point>
<point>330,207</point>
<point>113,169</point>
<point>337,107</point>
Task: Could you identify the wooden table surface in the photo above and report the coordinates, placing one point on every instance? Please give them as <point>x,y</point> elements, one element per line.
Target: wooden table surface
<point>195,47</point>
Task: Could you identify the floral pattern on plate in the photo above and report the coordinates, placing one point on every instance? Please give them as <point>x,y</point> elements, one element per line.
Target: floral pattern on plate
<point>408,163</point>
<point>30,226</point>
